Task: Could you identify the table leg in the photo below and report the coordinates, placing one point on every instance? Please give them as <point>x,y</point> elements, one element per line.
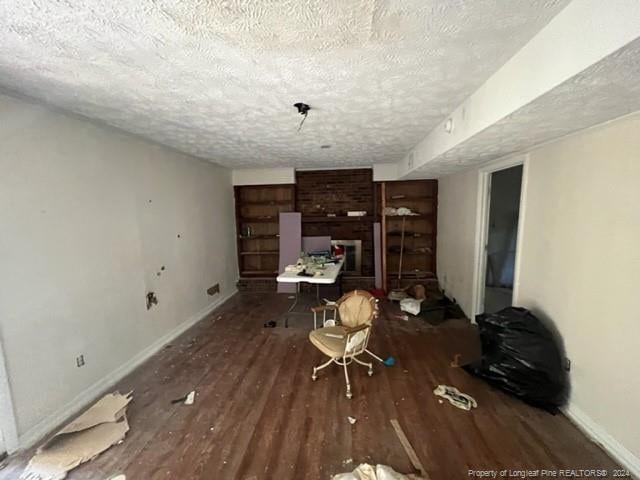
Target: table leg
<point>293,305</point>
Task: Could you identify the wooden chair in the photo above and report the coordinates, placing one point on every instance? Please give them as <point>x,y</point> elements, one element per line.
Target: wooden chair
<point>345,342</point>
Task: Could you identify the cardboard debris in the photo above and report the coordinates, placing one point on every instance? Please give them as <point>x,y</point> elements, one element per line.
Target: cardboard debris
<point>379,472</point>
<point>109,408</point>
<point>83,439</point>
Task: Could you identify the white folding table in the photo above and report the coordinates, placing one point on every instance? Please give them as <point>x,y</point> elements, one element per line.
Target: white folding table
<point>329,276</point>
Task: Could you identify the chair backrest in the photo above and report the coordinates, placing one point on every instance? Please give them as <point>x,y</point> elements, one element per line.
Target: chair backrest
<point>356,308</point>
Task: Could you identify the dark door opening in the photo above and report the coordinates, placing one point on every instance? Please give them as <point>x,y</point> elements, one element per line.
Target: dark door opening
<point>502,238</point>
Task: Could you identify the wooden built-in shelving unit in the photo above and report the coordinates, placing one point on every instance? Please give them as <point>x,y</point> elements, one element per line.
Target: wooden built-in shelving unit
<point>323,199</point>
<point>419,250</point>
<point>258,209</point>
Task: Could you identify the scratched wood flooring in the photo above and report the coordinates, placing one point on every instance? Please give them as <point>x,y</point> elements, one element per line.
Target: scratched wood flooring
<point>258,415</point>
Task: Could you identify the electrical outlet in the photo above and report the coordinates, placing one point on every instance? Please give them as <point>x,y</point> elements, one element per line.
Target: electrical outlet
<point>213,290</point>
<point>80,361</point>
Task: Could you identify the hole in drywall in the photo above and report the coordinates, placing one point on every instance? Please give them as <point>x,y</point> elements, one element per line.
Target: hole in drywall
<point>151,300</point>
<point>213,289</point>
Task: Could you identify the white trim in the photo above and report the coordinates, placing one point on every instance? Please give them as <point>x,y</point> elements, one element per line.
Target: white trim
<point>482,227</point>
<point>480,260</point>
<point>596,433</point>
<point>8,427</point>
<point>51,422</point>
<point>520,232</point>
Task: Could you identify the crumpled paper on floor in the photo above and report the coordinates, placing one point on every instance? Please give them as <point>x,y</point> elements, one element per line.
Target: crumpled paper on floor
<point>456,397</point>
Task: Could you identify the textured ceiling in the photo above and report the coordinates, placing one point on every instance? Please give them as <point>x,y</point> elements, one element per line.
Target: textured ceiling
<point>217,79</point>
<point>606,90</point>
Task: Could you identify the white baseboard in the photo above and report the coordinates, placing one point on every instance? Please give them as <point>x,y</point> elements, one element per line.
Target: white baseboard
<point>596,433</point>
<point>53,421</point>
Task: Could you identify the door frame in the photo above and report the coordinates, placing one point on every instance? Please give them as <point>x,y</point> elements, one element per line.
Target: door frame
<point>482,227</point>
<point>8,427</point>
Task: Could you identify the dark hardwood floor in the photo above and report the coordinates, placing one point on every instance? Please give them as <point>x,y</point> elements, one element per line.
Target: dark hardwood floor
<point>258,415</point>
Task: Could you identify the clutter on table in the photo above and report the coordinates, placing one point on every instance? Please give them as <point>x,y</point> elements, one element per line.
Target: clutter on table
<point>312,264</point>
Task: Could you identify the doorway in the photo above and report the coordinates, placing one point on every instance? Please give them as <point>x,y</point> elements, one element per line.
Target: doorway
<point>502,238</point>
<point>499,219</point>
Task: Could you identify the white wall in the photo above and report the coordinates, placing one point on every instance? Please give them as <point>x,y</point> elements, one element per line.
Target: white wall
<point>385,172</point>
<point>264,176</point>
<point>580,267</point>
<point>456,235</point>
<point>88,217</point>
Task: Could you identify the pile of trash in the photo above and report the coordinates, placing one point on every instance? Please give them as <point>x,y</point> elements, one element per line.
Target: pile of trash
<point>432,306</point>
<point>523,357</point>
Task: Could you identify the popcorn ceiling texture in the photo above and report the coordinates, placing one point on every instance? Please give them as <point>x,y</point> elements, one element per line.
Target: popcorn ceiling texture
<point>606,90</point>
<point>217,79</point>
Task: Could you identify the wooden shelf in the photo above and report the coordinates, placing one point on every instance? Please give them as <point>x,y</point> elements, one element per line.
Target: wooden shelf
<point>258,237</point>
<point>259,220</point>
<point>342,218</point>
<point>410,197</point>
<point>390,252</point>
<point>410,234</point>
<point>275,252</point>
<point>420,216</point>
<point>267,202</point>
<point>422,275</point>
<point>253,273</point>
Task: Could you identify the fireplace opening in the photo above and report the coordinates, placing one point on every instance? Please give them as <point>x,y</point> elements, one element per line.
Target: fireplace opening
<point>352,256</point>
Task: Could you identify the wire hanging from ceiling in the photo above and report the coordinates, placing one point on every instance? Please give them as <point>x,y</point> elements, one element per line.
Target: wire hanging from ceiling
<point>303,109</point>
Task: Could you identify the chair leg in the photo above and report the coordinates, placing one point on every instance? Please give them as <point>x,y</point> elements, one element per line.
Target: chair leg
<point>314,375</point>
<point>370,365</point>
<point>346,377</point>
<point>374,355</point>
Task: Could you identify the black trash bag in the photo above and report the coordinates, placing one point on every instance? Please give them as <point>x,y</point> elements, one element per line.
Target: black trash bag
<point>523,357</point>
<point>437,310</point>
